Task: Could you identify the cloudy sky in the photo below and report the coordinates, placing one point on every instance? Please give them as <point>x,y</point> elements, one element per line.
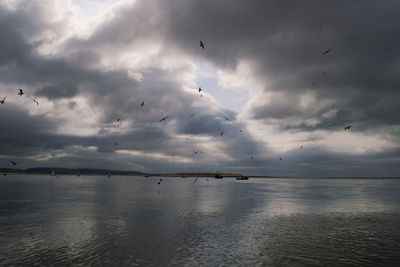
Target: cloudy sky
<point>91,62</point>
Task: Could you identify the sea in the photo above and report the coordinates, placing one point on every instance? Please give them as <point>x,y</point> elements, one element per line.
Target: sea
<point>142,221</point>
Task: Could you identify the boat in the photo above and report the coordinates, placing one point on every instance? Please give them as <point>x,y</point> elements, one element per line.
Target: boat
<point>242,178</point>
<point>218,176</point>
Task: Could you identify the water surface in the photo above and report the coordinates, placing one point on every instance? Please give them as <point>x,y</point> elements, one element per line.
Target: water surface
<point>129,221</point>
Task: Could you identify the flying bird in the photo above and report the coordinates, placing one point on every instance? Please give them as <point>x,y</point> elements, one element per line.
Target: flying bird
<point>198,151</point>
<point>12,162</point>
<point>115,144</point>
<point>163,119</point>
<point>222,132</point>
<point>191,116</point>
<point>241,131</point>
<point>252,157</point>
<point>347,127</point>
<point>301,147</point>
<point>142,104</point>
<point>200,89</point>
<point>227,118</point>
<point>326,52</point>
<point>280,158</point>
<point>20,92</point>
<point>34,100</point>
<point>195,180</point>
<point>201,45</point>
<point>118,120</point>
<point>4,99</point>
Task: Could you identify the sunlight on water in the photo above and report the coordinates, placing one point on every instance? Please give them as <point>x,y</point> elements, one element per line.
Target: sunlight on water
<point>133,221</point>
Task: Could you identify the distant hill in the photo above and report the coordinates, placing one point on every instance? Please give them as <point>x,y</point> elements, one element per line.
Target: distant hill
<point>45,170</point>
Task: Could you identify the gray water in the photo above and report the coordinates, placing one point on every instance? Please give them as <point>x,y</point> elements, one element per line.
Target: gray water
<point>120,221</point>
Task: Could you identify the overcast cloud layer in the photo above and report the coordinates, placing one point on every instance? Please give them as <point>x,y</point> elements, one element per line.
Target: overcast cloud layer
<point>87,71</point>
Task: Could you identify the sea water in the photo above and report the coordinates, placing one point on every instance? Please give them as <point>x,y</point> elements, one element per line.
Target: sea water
<point>134,221</point>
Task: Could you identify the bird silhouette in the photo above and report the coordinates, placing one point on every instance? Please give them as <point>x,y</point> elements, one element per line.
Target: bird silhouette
<point>191,116</point>
<point>200,89</point>
<point>326,52</point>
<point>222,133</point>
<point>197,151</point>
<point>118,120</point>
<point>142,104</point>
<point>227,118</point>
<point>301,147</point>
<point>347,127</point>
<point>20,92</point>
<point>201,45</point>
<point>115,144</point>
<point>12,162</point>
<point>163,119</point>
<point>34,100</point>
<point>4,99</point>
<point>252,157</point>
<point>280,158</point>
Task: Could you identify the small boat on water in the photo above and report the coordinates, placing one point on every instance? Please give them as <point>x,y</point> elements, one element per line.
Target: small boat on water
<point>242,178</point>
<point>218,176</point>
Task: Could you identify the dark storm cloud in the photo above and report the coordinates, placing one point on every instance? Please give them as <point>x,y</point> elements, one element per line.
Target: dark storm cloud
<point>281,40</point>
<point>284,40</point>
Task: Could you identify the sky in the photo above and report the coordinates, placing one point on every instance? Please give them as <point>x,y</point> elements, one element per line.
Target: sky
<point>272,102</point>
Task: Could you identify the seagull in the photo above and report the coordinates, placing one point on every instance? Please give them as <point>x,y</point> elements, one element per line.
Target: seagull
<point>347,127</point>
<point>200,89</point>
<point>115,144</point>
<point>201,45</point>
<point>12,162</point>
<point>34,100</point>
<point>163,119</point>
<point>191,116</point>
<point>326,52</point>
<point>222,132</point>
<point>4,99</point>
<point>142,104</point>
<point>20,92</point>
<point>226,118</point>
<point>118,120</point>
<point>280,158</point>
<point>198,151</point>
<point>195,180</point>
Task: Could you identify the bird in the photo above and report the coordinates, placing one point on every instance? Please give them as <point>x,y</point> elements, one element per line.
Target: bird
<point>201,45</point>
<point>34,100</point>
<point>118,120</point>
<point>301,147</point>
<point>195,180</point>
<point>159,183</point>
<point>227,118</point>
<point>4,99</point>
<point>20,92</point>
<point>191,116</point>
<point>252,157</point>
<point>198,151</point>
<point>347,127</point>
<point>115,144</point>
<point>163,119</point>
<point>142,104</point>
<point>12,162</point>
<point>222,132</point>
<point>200,89</point>
<point>326,52</point>
<point>241,131</point>
<point>280,158</point>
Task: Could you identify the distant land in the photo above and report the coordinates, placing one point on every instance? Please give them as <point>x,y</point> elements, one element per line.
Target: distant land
<point>45,170</point>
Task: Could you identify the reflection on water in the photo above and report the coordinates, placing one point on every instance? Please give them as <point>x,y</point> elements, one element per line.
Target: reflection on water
<point>123,221</point>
